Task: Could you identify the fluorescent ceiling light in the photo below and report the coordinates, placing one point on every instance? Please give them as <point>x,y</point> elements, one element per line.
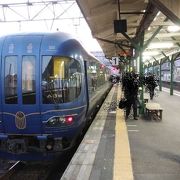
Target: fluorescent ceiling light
<point>150,53</point>
<point>158,13</point>
<point>160,45</point>
<point>173,28</point>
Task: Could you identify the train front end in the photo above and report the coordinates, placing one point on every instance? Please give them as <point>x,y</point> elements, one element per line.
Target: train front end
<point>43,96</point>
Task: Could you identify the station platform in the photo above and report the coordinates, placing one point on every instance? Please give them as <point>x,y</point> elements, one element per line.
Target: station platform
<point>143,149</point>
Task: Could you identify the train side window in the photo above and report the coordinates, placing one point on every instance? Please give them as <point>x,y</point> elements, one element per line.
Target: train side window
<point>28,80</point>
<point>92,77</point>
<point>61,79</point>
<point>10,80</point>
<point>97,77</point>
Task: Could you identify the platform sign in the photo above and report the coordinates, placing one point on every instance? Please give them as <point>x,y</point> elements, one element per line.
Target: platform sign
<point>115,61</point>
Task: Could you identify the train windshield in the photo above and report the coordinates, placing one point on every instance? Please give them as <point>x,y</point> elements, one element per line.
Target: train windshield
<point>28,80</point>
<point>61,79</point>
<point>11,80</point>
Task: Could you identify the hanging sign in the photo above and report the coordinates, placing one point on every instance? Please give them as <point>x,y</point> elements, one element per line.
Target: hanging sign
<point>115,61</point>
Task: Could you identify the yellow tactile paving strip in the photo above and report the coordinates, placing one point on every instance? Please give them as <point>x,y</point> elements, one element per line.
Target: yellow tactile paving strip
<point>122,156</point>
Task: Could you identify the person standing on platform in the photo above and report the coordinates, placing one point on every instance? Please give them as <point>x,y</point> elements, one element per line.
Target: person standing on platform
<point>130,87</point>
<point>151,84</point>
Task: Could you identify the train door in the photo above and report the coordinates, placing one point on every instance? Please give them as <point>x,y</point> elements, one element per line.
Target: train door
<point>20,85</point>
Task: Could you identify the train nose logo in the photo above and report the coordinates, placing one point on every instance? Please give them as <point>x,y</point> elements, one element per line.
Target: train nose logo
<point>20,120</point>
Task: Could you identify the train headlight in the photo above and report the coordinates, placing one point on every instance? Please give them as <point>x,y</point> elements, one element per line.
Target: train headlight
<point>60,121</point>
<point>52,122</point>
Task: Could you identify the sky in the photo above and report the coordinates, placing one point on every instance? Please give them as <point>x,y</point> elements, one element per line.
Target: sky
<point>69,17</point>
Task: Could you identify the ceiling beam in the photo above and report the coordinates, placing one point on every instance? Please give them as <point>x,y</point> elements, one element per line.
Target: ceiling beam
<point>165,55</point>
<point>130,40</point>
<point>167,12</point>
<point>155,60</point>
<point>157,23</point>
<point>151,12</point>
<point>121,36</point>
<point>163,35</point>
<point>113,42</point>
<point>153,36</point>
<point>175,41</point>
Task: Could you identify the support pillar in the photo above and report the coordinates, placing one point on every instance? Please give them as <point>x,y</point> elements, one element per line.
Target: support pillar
<point>172,76</point>
<point>152,68</point>
<point>141,73</point>
<point>160,79</point>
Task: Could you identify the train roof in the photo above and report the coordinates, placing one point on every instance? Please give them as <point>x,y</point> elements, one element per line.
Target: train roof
<point>60,36</point>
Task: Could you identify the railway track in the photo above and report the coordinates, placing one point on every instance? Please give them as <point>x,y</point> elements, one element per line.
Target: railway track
<point>8,169</point>
<point>25,171</point>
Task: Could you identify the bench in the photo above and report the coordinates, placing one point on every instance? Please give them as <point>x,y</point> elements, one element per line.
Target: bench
<point>153,109</point>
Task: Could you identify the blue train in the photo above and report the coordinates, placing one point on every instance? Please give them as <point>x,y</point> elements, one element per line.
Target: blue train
<point>50,88</point>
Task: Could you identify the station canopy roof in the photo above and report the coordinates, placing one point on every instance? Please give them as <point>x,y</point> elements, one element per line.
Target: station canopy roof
<point>156,19</point>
